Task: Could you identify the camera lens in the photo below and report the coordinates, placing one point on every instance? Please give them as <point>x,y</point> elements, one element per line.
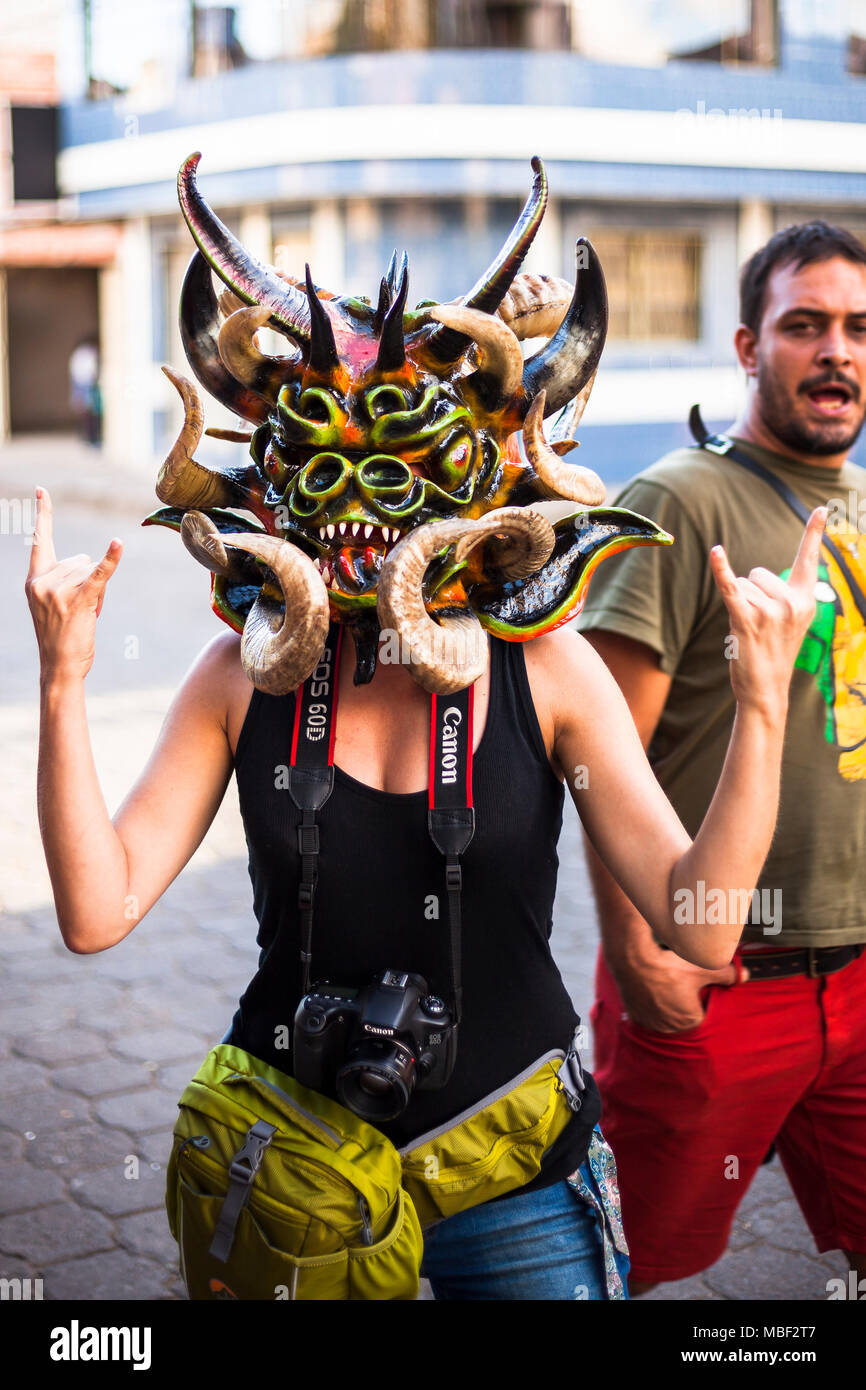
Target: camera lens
<point>377,1080</point>
<point>373,1085</point>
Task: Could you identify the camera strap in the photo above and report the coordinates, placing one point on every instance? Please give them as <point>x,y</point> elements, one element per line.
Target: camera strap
<point>450,815</point>
<point>311,776</point>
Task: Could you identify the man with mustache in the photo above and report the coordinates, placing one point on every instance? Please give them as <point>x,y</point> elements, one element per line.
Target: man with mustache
<point>702,1071</point>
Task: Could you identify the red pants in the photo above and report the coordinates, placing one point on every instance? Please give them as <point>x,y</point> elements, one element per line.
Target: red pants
<point>690,1115</point>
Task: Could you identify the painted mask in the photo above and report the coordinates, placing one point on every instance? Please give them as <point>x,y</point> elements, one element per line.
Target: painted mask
<point>395,457</point>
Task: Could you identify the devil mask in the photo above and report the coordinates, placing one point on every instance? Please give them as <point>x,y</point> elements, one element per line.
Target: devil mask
<point>387,488</point>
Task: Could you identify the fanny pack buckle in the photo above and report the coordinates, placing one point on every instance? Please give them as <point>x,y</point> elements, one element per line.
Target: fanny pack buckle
<point>569,1079</point>
<point>248,1159</point>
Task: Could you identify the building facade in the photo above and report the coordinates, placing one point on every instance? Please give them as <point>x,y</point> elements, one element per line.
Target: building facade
<point>678,136</point>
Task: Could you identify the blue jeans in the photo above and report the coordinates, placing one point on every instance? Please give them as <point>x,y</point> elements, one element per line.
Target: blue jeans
<point>547,1244</point>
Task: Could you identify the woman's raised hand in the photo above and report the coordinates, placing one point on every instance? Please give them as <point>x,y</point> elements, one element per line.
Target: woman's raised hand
<point>769,619</point>
<point>65,598</point>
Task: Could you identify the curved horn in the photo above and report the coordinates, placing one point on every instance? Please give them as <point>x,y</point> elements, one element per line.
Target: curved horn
<point>524,540</point>
<point>263,373</point>
<point>535,305</point>
<point>566,424</point>
<point>392,347</point>
<point>565,364</point>
<point>206,543</point>
<point>282,644</point>
<point>183,481</point>
<point>198,332</point>
<point>446,345</point>
<point>556,478</point>
<point>501,366</point>
<point>227,300</point>
<point>251,281</point>
<point>323,356</point>
<point>444,656</point>
<point>451,654</point>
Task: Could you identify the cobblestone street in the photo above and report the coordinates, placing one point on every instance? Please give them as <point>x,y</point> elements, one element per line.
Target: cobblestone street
<point>96,1049</point>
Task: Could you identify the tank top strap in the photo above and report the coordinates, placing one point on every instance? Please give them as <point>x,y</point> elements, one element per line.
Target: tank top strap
<point>511,706</point>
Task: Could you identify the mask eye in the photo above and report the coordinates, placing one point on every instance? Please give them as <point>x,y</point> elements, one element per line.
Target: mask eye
<point>313,406</point>
<point>386,400</point>
<point>452,465</point>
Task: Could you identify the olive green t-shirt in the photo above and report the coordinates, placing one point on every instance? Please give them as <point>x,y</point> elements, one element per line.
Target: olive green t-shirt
<point>814,881</point>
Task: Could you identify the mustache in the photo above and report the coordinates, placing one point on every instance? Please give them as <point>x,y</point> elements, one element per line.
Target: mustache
<point>813,383</point>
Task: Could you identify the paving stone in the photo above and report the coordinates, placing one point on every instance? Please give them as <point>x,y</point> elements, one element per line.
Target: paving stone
<point>80,1148</point>
<point>148,1234</point>
<point>741,1236</point>
<point>762,1272</point>
<point>114,1275</point>
<point>138,1111</point>
<point>158,1045</point>
<point>19,1075</point>
<point>48,966</point>
<point>784,1227</point>
<point>156,1147</point>
<point>23,1020</point>
<point>19,943</point>
<point>132,1014</point>
<point>173,1078</point>
<point>55,1232</point>
<point>101,1078</point>
<point>25,1186</point>
<point>82,992</point>
<point>769,1185</point>
<point>176,1291</point>
<point>12,1268</point>
<point>42,1111</point>
<point>132,969</point>
<point>110,1191</point>
<point>12,1146</point>
<point>62,1045</point>
<point>693,1290</point>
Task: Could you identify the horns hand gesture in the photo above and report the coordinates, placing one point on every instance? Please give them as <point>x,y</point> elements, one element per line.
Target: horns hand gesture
<point>769,619</point>
<point>65,598</point>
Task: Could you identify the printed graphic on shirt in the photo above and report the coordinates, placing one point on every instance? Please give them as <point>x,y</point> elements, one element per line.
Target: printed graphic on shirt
<point>834,651</point>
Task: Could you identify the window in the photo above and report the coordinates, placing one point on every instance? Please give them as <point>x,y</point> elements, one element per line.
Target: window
<point>651,32</point>
<point>653,279</point>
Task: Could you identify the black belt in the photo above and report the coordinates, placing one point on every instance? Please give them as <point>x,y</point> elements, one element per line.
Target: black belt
<point>811,960</point>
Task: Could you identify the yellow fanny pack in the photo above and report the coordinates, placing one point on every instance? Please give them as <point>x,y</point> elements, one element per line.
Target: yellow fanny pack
<point>276,1192</point>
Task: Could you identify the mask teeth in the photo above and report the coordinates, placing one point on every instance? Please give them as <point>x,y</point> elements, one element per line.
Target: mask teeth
<point>359,533</point>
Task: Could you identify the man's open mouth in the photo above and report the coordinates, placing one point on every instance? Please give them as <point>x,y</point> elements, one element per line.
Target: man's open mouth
<point>831,398</point>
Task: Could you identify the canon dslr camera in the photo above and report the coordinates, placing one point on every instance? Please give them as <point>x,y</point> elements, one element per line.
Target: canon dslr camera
<point>373,1046</point>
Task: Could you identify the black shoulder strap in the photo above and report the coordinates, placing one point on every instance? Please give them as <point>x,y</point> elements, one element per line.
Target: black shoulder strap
<point>722,444</point>
<point>311,776</point>
<point>450,814</point>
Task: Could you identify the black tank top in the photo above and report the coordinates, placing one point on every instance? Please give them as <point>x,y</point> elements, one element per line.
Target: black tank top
<point>381,883</point>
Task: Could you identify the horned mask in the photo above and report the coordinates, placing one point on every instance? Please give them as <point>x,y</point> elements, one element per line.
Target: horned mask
<point>387,487</point>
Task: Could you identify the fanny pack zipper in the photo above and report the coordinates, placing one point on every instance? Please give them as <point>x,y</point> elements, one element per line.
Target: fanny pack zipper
<point>320,1126</point>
